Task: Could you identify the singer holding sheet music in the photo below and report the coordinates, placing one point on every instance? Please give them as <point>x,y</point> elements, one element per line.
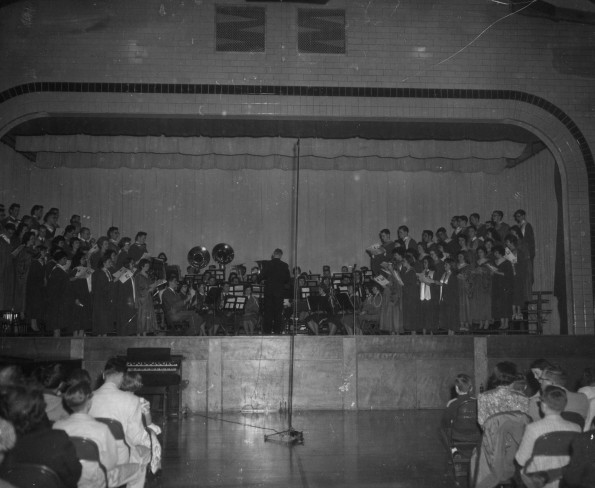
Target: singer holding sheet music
<point>382,252</point>
<point>275,274</point>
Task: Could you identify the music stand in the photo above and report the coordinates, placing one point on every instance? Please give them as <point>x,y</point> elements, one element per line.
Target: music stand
<point>344,301</point>
<point>314,277</point>
<point>234,304</point>
<point>317,303</point>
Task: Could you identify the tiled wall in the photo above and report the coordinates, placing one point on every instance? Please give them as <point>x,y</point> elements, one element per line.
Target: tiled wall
<point>162,49</point>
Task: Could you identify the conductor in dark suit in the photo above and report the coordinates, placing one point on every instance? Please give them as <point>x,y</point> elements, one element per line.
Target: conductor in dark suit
<point>275,274</point>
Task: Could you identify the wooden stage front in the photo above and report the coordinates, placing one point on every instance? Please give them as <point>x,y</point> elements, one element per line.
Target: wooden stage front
<point>228,374</point>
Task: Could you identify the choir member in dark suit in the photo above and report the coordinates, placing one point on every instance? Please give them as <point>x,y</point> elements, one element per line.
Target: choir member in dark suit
<point>103,292</point>
<point>125,303</point>
<point>82,313</point>
<point>35,300</point>
<point>528,236</point>
<point>449,298</point>
<point>6,268</point>
<point>36,442</point>
<point>139,248</point>
<point>275,274</point>
<point>59,296</point>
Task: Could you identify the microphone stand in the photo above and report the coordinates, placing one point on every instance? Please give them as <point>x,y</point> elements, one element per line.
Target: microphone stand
<point>290,436</point>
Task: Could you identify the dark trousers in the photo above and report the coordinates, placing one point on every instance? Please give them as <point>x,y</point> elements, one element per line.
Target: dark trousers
<point>273,314</point>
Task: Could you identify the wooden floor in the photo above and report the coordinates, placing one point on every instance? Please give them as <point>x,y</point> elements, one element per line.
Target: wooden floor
<point>397,449</point>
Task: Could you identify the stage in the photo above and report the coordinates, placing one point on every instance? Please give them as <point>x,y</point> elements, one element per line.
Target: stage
<point>340,373</point>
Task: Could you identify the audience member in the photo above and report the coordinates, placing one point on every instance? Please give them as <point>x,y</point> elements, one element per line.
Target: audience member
<point>505,393</point>
<point>110,402</point>
<point>36,442</point>
<point>78,399</point>
<point>553,403</point>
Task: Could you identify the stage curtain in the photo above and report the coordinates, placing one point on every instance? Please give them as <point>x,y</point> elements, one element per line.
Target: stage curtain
<point>339,212</point>
<point>82,151</point>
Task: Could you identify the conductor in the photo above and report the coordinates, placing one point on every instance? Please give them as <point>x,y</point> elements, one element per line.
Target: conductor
<point>275,274</point>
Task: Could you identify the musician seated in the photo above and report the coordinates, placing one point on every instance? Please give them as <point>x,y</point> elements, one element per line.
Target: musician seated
<point>251,311</point>
<point>370,310</point>
<point>324,314</point>
<point>174,307</point>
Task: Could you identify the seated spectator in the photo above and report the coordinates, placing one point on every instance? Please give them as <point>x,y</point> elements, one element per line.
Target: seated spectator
<point>587,383</point>
<point>110,402</point>
<point>80,424</point>
<point>133,382</point>
<point>532,377</point>
<point>505,393</point>
<point>575,402</point>
<point>52,380</point>
<point>553,402</point>
<point>36,442</point>
<point>464,391</point>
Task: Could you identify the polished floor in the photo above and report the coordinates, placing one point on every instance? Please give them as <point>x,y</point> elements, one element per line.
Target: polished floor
<point>397,449</point>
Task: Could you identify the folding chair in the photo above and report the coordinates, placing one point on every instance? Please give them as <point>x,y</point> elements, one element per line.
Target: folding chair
<point>87,450</point>
<point>575,418</point>
<point>464,435</point>
<point>31,475</point>
<point>551,444</point>
<point>116,429</point>
<point>590,415</point>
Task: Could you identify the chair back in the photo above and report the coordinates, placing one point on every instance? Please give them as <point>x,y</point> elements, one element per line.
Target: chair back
<point>116,429</point>
<point>87,450</point>
<point>550,444</point>
<point>590,415</point>
<point>464,426</point>
<point>31,475</point>
<point>575,418</point>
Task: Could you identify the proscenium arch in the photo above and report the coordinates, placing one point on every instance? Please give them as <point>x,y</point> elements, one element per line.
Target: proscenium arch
<point>555,128</point>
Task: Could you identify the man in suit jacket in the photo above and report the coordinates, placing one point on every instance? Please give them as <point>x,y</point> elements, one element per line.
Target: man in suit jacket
<point>110,402</point>
<point>175,310</point>
<point>276,276</point>
<point>527,230</point>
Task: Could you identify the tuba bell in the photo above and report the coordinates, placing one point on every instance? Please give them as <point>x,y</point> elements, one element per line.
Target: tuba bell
<point>223,253</point>
<point>198,257</point>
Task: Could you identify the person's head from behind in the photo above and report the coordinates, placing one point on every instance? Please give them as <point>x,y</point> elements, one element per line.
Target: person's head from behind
<point>131,382</point>
<point>504,373</point>
<point>463,384</point>
<point>23,407</point>
<point>11,375</point>
<point>114,371</point>
<point>78,375</point>
<point>553,375</point>
<point>553,400</point>
<point>77,398</point>
<point>277,253</point>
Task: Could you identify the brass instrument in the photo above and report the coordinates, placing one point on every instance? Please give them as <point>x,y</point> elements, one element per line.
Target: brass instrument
<point>198,257</point>
<point>223,253</point>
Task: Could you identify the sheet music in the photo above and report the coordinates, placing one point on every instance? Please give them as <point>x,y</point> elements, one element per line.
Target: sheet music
<point>381,280</point>
<point>124,277</point>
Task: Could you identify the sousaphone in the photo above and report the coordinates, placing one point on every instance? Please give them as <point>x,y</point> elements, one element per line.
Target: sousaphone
<point>223,254</point>
<point>198,257</point>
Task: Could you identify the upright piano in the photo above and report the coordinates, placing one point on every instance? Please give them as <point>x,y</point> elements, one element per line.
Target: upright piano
<point>162,375</point>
